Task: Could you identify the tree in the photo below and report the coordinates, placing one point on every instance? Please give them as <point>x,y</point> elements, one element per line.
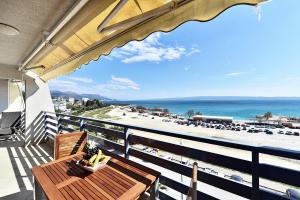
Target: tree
<point>198,113</point>
<point>190,113</point>
<point>166,110</point>
<point>268,115</point>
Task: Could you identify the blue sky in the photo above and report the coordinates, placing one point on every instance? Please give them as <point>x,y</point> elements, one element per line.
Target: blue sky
<point>240,53</point>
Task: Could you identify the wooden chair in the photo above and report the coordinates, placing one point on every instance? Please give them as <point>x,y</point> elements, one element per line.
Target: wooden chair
<point>192,193</point>
<point>69,143</point>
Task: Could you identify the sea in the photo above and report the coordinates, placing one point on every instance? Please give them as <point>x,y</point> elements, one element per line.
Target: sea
<point>238,109</point>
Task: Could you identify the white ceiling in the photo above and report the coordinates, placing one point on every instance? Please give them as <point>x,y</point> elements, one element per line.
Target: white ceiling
<point>32,18</point>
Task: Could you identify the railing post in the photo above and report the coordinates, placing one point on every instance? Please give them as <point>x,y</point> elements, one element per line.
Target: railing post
<point>59,127</point>
<point>82,125</point>
<point>126,142</point>
<point>154,190</point>
<point>255,175</point>
<point>45,123</point>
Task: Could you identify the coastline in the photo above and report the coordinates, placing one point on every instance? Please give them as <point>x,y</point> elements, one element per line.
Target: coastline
<point>239,109</point>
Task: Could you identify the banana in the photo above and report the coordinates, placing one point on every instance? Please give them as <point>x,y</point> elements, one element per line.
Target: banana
<point>98,157</point>
<point>92,159</point>
<point>104,159</point>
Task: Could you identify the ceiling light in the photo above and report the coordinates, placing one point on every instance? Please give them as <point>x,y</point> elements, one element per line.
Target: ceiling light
<point>8,30</point>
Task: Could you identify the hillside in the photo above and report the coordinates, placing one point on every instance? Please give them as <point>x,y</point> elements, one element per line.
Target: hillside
<point>67,94</point>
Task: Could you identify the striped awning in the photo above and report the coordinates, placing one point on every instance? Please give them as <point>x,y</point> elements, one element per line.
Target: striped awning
<point>102,25</point>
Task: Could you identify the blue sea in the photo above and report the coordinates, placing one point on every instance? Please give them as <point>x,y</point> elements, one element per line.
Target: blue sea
<point>238,109</point>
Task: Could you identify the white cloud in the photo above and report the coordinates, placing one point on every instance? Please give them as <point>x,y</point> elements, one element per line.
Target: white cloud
<point>82,79</point>
<point>118,83</point>
<point>236,73</point>
<point>108,88</point>
<point>63,85</point>
<point>150,50</point>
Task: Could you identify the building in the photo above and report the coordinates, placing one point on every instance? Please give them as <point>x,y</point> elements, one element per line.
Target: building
<point>60,105</point>
<point>207,118</point>
<point>71,100</point>
<point>84,100</point>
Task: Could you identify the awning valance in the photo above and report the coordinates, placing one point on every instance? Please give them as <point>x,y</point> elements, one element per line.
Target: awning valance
<point>102,25</point>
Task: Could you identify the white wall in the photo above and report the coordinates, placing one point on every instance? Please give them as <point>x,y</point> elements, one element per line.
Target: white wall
<point>7,73</point>
<point>3,94</point>
<point>15,99</point>
<point>38,99</point>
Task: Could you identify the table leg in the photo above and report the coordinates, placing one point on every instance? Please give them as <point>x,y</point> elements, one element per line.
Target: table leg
<point>154,190</point>
<point>37,190</point>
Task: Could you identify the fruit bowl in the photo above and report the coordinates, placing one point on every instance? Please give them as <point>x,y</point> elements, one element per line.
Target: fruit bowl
<point>96,167</point>
<point>96,162</point>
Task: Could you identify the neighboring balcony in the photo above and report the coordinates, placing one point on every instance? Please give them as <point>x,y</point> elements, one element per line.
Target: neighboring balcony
<point>227,170</point>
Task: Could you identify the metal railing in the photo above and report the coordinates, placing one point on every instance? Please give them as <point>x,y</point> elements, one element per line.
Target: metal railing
<point>252,167</point>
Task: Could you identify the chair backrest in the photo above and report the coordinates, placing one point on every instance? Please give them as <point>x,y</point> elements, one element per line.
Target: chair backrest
<point>69,143</point>
<point>192,193</point>
<point>10,119</point>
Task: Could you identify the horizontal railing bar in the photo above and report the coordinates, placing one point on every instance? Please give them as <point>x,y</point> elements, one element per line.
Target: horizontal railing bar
<point>70,122</point>
<point>51,117</point>
<point>286,153</point>
<point>261,149</point>
<point>222,183</point>
<point>51,123</point>
<point>164,196</point>
<point>266,195</point>
<point>111,132</point>
<point>115,145</point>
<point>280,174</point>
<point>183,188</point>
<point>173,184</point>
<point>216,159</point>
<point>67,129</point>
<point>51,129</point>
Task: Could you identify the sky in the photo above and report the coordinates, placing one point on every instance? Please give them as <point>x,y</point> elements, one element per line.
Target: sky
<point>246,51</point>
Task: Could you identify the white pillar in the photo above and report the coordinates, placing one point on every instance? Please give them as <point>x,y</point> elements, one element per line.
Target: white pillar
<point>3,94</point>
<point>38,100</point>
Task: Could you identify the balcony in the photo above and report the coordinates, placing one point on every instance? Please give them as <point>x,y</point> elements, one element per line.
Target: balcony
<point>260,178</point>
<point>36,48</point>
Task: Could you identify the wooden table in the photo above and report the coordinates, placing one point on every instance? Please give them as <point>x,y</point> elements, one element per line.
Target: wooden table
<point>119,179</point>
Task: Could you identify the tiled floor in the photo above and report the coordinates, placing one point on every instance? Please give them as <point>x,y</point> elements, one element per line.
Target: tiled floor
<point>16,162</point>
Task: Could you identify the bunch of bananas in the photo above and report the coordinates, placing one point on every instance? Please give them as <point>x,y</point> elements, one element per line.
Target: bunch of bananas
<point>95,159</point>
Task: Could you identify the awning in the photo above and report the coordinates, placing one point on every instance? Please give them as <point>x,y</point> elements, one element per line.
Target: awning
<point>102,25</point>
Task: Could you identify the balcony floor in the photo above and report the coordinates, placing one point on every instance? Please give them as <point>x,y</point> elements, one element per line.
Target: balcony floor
<point>16,162</point>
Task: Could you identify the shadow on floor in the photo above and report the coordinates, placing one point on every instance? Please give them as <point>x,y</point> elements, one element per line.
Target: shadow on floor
<point>17,161</point>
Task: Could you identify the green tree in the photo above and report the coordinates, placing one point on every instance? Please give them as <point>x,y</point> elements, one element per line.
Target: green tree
<point>190,113</point>
<point>198,113</point>
<point>268,115</point>
<point>166,110</point>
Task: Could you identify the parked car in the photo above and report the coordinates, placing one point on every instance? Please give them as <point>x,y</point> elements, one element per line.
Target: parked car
<point>289,133</point>
<point>236,178</point>
<point>269,132</point>
<point>296,133</point>
<point>185,161</point>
